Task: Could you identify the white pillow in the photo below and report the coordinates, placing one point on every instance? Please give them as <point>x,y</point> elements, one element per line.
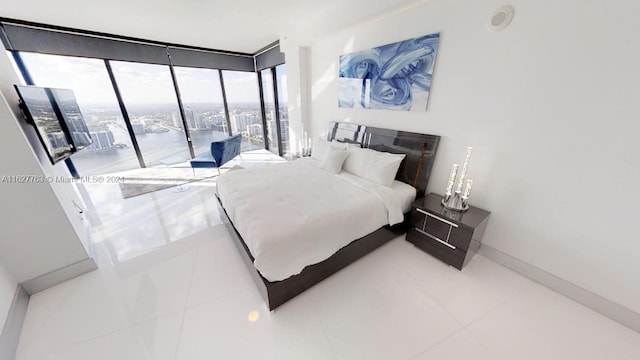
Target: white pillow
<point>322,146</point>
<point>375,166</point>
<point>319,150</point>
<point>334,159</point>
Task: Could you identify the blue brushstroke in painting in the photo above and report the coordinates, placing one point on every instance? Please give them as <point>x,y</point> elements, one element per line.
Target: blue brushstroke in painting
<point>393,72</point>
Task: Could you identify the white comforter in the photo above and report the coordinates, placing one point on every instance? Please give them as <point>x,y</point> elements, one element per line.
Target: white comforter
<point>296,214</point>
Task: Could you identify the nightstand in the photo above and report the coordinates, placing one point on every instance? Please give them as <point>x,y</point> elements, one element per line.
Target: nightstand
<point>453,237</point>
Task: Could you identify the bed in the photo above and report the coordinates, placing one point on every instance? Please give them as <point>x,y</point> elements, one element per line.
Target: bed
<point>285,221</point>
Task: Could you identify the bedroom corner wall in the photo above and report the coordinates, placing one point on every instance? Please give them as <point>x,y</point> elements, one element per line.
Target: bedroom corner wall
<point>297,62</point>
<point>549,105</point>
<point>13,309</point>
<point>8,287</point>
<point>43,238</point>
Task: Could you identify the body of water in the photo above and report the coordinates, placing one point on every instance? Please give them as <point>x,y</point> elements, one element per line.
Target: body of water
<point>158,149</point>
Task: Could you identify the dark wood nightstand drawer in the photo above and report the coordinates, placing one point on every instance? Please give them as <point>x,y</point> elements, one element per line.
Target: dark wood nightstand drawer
<point>453,257</point>
<point>443,230</point>
<point>453,237</point>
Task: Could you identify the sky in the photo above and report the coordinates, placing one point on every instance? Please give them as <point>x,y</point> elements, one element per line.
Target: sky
<point>139,83</point>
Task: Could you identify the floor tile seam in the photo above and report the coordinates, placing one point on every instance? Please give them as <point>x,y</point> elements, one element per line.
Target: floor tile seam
<point>437,343</point>
<point>319,319</point>
<point>411,276</point>
<point>102,252</point>
<point>456,332</point>
<point>458,325</point>
<point>130,326</point>
<point>480,342</point>
<point>139,214</point>
<point>186,300</point>
<point>76,343</point>
<point>518,293</point>
<point>415,279</point>
<point>326,333</point>
<point>495,308</point>
<point>467,326</point>
<point>423,290</point>
<point>49,316</point>
<point>562,298</point>
<point>156,319</point>
<point>180,249</point>
<point>326,336</point>
<point>215,298</point>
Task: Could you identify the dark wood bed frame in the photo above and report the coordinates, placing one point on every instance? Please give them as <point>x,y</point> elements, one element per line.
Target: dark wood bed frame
<point>415,170</point>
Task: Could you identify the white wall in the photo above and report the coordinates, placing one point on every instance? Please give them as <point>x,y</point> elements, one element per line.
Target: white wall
<point>550,106</point>
<point>8,286</point>
<point>297,61</point>
<point>37,237</point>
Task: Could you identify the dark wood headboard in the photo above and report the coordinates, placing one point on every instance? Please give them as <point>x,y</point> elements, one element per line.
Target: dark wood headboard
<point>420,149</point>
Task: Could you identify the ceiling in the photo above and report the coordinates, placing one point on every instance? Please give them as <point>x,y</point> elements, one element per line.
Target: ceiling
<point>234,25</point>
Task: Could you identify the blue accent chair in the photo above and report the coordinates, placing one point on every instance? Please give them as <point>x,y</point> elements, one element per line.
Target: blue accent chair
<point>222,151</point>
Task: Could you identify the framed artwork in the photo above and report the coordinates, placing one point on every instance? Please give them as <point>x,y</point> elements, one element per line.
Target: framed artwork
<point>393,77</point>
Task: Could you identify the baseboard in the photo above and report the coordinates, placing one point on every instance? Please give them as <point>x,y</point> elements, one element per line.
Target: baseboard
<point>13,326</point>
<point>57,276</point>
<point>585,297</point>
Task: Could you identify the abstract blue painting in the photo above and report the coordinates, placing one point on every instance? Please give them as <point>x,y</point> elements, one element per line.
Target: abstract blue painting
<point>394,77</point>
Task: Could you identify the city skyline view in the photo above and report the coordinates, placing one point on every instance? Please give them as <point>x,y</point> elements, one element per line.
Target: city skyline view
<point>160,136</point>
<point>149,96</point>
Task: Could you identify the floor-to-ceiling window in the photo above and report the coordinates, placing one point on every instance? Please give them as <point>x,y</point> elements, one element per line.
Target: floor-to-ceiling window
<point>149,95</point>
<point>151,104</point>
<point>243,100</point>
<point>283,108</point>
<point>112,149</point>
<point>268,95</point>
<point>274,95</point>
<point>203,104</point>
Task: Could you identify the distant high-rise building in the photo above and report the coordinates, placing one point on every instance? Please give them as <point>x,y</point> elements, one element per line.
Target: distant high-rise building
<point>255,131</point>
<point>242,120</point>
<point>57,139</point>
<point>177,121</point>
<point>80,138</point>
<point>138,127</point>
<point>219,119</point>
<point>195,121</point>
<point>284,135</point>
<point>190,118</point>
<point>75,123</point>
<point>102,140</point>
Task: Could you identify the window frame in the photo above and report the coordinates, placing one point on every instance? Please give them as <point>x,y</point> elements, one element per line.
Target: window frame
<point>17,37</point>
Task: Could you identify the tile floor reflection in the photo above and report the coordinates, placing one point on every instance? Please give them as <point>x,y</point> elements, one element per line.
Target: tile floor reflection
<point>171,285</point>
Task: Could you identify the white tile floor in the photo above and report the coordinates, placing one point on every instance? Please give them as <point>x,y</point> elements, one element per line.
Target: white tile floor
<point>172,286</point>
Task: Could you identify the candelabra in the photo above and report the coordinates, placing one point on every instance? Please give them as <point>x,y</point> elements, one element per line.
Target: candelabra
<point>457,201</point>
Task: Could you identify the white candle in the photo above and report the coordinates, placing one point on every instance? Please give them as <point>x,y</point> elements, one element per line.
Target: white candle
<point>467,189</point>
<point>452,179</point>
<point>463,173</point>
